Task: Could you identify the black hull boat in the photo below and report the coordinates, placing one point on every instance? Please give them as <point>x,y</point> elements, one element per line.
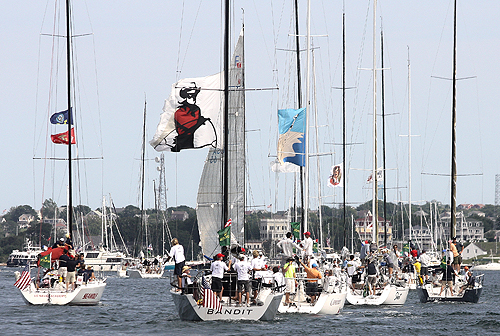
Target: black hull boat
<point>431,293</point>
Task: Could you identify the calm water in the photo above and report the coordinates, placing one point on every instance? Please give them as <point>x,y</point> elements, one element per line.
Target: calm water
<point>141,306</point>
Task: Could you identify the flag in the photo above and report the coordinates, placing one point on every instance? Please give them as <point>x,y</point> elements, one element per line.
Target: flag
<point>24,280</point>
<point>225,235</point>
<point>328,242</point>
<point>191,115</point>
<point>210,299</point>
<point>228,223</point>
<point>62,138</point>
<point>61,118</point>
<point>336,178</point>
<point>295,229</point>
<point>380,175</point>
<point>45,261</point>
<point>291,142</point>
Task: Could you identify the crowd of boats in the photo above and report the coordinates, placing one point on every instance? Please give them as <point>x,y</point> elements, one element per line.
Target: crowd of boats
<point>346,279</point>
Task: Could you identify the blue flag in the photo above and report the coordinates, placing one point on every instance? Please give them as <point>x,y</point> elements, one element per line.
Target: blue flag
<point>292,142</point>
<point>61,118</point>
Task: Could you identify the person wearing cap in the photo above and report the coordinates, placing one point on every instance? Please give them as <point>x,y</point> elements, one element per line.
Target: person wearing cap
<point>186,279</point>
<point>469,280</point>
<point>289,270</point>
<point>312,283</point>
<point>307,246</point>
<point>63,264</point>
<point>217,268</point>
<point>59,243</point>
<point>177,253</point>
<point>287,246</point>
<point>243,269</point>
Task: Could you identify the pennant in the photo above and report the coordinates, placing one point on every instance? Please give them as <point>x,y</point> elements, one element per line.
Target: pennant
<point>336,178</point>
<point>45,261</point>
<point>61,118</point>
<point>228,223</point>
<point>291,142</point>
<point>225,236</point>
<point>295,229</point>
<point>62,138</point>
<point>191,115</point>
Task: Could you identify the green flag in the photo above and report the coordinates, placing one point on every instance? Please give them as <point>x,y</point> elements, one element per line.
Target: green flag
<point>406,248</point>
<point>295,229</point>
<point>315,247</point>
<point>225,236</point>
<point>45,261</point>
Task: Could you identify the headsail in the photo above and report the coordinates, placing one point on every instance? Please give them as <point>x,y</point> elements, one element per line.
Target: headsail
<point>209,208</point>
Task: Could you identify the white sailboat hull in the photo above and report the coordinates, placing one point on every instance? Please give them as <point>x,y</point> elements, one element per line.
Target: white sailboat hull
<point>84,295</point>
<point>134,273</point>
<point>189,310</point>
<point>327,303</point>
<point>494,266</point>
<point>391,295</point>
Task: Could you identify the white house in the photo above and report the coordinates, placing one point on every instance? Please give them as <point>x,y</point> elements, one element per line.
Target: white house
<point>472,251</point>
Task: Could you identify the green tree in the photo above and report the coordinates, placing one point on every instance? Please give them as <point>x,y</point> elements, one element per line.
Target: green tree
<point>15,212</point>
<point>49,208</point>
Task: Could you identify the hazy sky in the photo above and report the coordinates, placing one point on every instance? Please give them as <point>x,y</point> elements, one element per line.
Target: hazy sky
<point>139,48</point>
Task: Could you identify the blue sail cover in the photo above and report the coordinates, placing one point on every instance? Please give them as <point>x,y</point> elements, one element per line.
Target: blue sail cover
<point>291,142</point>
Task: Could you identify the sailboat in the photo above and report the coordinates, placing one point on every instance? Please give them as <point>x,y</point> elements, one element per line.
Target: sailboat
<point>332,296</point>
<point>148,267</point>
<point>55,292</point>
<point>428,292</point>
<point>221,191</point>
<point>387,291</point>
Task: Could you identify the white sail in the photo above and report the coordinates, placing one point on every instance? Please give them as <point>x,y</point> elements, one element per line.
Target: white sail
<point>210,199</point>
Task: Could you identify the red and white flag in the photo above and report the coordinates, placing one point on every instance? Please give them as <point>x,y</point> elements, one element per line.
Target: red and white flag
<point>211,300</point>
<point>228,223</point>
<point>24,280</point>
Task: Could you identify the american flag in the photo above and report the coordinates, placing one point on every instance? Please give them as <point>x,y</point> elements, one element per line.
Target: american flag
<point>210,299</point>
<point>24,280</point>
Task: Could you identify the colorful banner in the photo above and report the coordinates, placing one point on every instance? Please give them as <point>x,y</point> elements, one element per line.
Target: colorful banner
<point>61,118</point>
<point>292,142</point>
<point>62,138</point>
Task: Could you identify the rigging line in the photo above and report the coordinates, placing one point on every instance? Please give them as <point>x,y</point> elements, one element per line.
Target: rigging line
<point>189,39</point>
<point>177,70</point>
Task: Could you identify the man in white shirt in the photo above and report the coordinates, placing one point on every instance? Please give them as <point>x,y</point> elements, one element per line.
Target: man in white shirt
<point>218,267</point>
<point>243,269</point>
<point>287,246</point>
<point>307,246</point>
<point>425,259</point>
<point>258,267</point>
<point>351,267</point>
<point>177,254</point>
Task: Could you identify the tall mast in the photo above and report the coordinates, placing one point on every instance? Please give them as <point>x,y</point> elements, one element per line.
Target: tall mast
<point>410,227</point>
<point>299,105</point>
<point>344,187</point>
<point>308,101</point>
<point>374,172</point>
<point>225,182</point>
<point>383,130</point>
<point>454,129</point>
<point>68,70</point>
<point>143,220</point>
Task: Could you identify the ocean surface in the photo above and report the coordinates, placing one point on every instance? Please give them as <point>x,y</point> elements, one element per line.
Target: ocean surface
<point>144,306</point>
